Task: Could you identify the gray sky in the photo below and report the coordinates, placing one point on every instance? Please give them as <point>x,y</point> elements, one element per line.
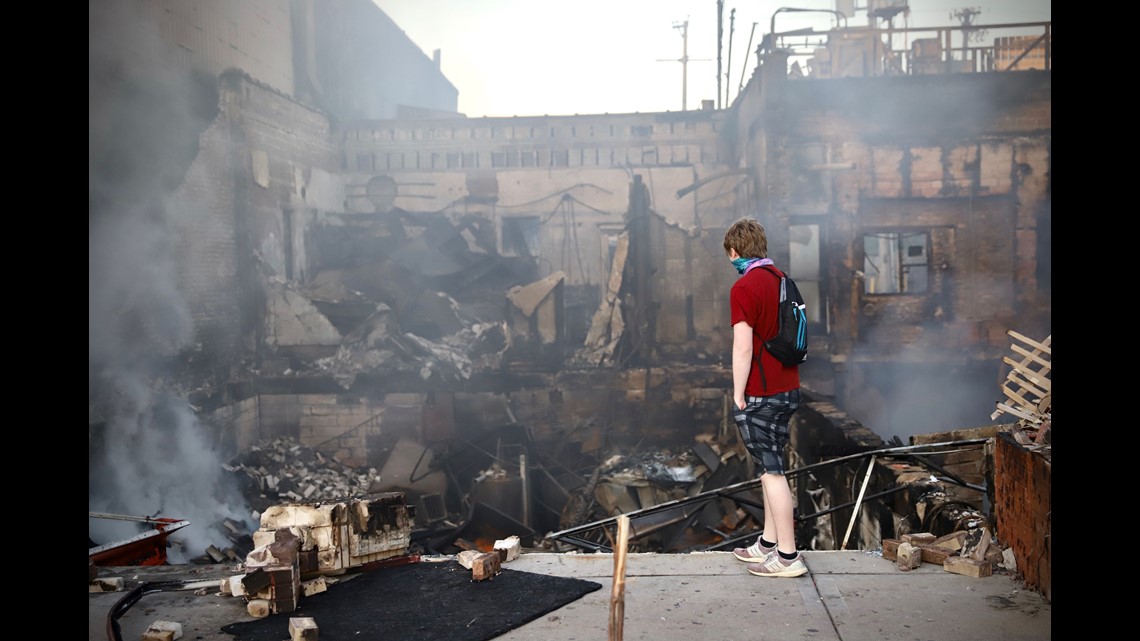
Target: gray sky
<point>534,57</point>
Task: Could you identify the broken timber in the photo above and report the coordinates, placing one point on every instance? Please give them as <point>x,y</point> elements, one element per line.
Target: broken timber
<point>1027,385</point>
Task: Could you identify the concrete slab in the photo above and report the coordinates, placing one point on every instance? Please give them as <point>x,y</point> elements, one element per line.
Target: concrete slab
<point>848,595</point>
<point>845,596</point>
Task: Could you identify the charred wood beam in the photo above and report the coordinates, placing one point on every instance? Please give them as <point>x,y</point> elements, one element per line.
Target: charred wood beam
<point>948,474</point>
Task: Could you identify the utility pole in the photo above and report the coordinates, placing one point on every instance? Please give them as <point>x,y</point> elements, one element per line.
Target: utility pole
<point>719,45</point>
<point>684,26</point>
<point>684,60</point>
<point>728,67</point>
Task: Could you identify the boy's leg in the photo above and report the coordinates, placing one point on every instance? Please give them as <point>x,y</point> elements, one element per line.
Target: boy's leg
<point>778,503</point>
<point>758,550</point>
<point>763,425</point>
<point>778,499</point>
<point>770,532</point>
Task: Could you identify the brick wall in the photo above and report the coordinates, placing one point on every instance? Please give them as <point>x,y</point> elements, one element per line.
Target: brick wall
<point>1023,490</point>
<point>207,248</point>
<point>236,426</point>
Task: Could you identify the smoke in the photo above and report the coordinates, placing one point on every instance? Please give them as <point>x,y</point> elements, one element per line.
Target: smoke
<point>148,453</point>
<point>908,399</point>
<point>152,458</point>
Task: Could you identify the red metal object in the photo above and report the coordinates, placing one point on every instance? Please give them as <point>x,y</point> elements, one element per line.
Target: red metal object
<point>148,548</point>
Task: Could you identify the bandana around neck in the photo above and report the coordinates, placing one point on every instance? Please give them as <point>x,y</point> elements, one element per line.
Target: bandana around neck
<point>744,265</point>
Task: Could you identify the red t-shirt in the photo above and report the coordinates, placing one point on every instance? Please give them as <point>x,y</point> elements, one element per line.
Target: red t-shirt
<point>754,299</point>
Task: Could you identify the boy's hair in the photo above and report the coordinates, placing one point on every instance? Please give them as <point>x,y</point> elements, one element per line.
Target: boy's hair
<point>747,237</point>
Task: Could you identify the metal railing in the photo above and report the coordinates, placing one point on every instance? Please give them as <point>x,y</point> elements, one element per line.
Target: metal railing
<point>867,51</point>
<point>646,521</point>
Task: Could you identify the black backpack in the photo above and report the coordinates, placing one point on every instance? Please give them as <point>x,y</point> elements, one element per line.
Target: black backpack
<point>790,344</point>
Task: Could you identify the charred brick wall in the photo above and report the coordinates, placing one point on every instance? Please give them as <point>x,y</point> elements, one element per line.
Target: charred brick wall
<point>1023,488</point>
<point>241,197</point>
<point>235,426</point>
<point>206,243</point>
<point>272,162</point>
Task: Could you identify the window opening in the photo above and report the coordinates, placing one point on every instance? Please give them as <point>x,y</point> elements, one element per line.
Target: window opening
<point>519,236</point>
<point>804,267</point>
<point>896,262</point>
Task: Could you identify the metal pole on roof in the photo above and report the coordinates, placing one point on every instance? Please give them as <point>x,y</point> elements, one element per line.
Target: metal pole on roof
<point>728,65</point>
<point>745,67</point>
<point>719,45</point>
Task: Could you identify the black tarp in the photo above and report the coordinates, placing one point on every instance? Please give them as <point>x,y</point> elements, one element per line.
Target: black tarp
<point>423,601</point>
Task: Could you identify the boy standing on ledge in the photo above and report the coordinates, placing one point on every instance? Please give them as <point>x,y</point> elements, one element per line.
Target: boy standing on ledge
<point>764,398</point>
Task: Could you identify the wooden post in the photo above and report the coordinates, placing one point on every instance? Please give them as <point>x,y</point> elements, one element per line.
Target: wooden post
<point>525,482</point>
<point>617,595</point>
<point>859,500</point>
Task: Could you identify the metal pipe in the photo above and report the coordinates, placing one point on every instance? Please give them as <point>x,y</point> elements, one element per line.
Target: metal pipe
<point>729,490</point>
<point>127,517</point>
<point>745,66</point>
<point>771,40</point>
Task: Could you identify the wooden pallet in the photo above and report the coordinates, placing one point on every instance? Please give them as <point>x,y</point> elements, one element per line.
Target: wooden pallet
<point>1027,386</point>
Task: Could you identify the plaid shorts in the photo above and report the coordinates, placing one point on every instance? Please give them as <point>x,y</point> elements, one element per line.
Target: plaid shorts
<point>763,425</point>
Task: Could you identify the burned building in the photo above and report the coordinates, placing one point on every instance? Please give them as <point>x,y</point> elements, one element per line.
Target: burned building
<point>294,234</point>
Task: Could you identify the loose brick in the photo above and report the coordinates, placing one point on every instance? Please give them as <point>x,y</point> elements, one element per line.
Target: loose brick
<point>967,566</point>
<point>917,538</point>
<point>931,554</point>
<point>106,584</point>
<point>909,557</point>
<point>255,581</point>
<point>891,549</point>
<point>163,631</point>
<point>951,542</point>
<point>314,586</point>
<point>485,566</point>
<point>302,629</point>
<point>508,548</point>
<point>257,608</point>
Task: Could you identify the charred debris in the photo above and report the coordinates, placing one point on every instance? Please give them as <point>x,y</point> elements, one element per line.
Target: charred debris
<point>416,302</point>
<point>701,498</point>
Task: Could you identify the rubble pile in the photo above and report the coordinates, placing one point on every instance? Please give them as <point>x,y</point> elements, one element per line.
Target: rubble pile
<point>302,548</point>
<point>284,471</point>
<point>972,552</point>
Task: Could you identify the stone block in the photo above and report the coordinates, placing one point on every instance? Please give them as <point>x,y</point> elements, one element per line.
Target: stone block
<point>257,608</point>
<point>968,567</point>
<point>917,538</point>
<point>485,566</point>
<point>508,548</point>
<point>163,631</point>
<point>302,629</point>
<point>314,586</point>
<point>106,584</point>
<point>909,556</point>
<point>891,549</point>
